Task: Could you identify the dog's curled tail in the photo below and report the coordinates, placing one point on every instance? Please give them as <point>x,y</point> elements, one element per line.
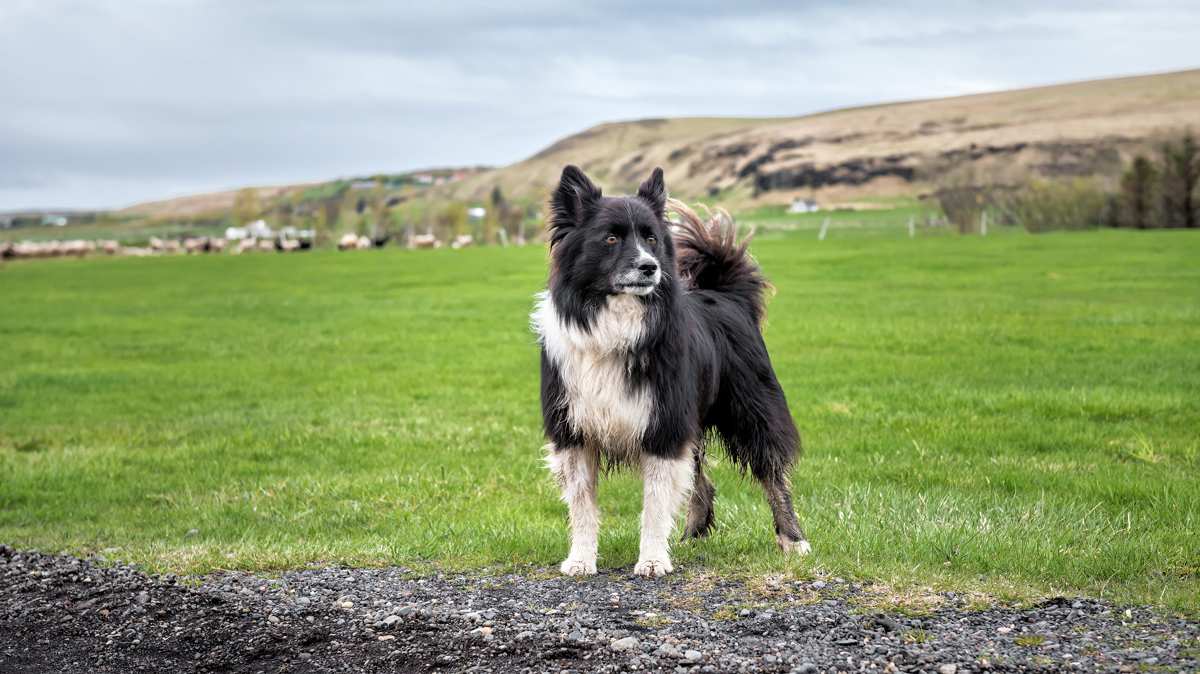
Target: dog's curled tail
<point>709,256</point>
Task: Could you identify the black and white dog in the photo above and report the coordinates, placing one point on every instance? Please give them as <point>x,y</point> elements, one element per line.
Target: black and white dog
<point>648,342</point>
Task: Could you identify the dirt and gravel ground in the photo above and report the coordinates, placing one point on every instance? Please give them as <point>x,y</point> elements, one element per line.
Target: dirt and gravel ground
<point>61,614</point>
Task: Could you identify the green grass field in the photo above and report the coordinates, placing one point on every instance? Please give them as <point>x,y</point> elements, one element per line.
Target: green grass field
<point>1015,415</point>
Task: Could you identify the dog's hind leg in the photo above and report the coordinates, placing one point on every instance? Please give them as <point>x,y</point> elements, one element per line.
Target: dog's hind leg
<point>576,469</point>
<point>700,508</point>
<point>788,533</point>
<point>666,482</point>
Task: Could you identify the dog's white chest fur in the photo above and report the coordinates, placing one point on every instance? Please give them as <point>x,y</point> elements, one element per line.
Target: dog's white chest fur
<point>594,367</point>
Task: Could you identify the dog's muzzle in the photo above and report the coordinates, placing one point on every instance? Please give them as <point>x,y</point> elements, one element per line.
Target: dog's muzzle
<point>641,279</point>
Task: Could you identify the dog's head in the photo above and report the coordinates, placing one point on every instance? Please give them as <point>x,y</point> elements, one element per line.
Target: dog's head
<point>610,245</point>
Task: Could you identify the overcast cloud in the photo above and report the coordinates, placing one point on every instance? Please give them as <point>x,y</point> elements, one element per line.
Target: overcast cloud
<point>109,103</point>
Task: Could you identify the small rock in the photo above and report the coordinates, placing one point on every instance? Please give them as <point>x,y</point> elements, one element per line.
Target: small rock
<point>274,620</point>
<point>806,668</point>
<point>626,644</point>
<point>948,668</point>
<point>390,620</point>
<point>818,585</point>
<point>522,636</point>
<point>668,650</point>
<point>693,656</point>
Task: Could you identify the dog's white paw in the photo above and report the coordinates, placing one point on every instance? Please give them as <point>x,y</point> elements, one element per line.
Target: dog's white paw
<point>653,568</point>
<point>578,567</point>
<point>798,548</point>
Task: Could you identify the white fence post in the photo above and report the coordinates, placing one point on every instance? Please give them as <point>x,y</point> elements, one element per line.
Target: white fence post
<point>912,226</point>
<point>983,223</point>
<point>824,228</point>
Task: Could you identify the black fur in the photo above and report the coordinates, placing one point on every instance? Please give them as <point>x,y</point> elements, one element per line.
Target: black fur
<point>701,355</point>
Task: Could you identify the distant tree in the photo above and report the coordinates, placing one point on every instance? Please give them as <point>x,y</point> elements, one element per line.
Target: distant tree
<point>284,209</point>
<point>245,206</point>
<point>1180,174</point>
<point>494,219</point>
<point>317,222</point>
<point>1138,187</point>
<point>512,218</point>
<point>350,216</point>
<point>452,219</point>
<point>380,217</point>
<point>331,211</point>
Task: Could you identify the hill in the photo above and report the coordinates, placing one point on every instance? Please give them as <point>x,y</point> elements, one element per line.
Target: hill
<point>885,150</point>
<point>1080,128</point>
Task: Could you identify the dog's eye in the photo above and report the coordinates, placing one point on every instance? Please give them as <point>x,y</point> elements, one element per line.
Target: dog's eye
<point>611,239</point>
<point>652,240</point>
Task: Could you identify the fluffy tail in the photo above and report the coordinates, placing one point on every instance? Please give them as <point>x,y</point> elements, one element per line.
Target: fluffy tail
<point>710,257</point>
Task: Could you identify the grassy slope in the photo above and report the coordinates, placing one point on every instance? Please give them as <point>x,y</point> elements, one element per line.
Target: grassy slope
<point>1013,413</point>
<point>622,154</point>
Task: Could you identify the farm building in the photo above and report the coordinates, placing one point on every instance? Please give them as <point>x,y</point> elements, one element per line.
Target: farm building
<point>803,206</point>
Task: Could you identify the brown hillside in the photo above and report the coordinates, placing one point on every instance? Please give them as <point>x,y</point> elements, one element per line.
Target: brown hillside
<point>1071,129</point>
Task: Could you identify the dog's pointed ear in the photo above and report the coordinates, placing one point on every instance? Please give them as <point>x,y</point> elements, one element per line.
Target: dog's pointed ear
<point>572,202</point>
<point>654,191</point>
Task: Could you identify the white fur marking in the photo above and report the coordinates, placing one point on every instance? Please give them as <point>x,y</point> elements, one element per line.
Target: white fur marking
<point>798,548</point>
<point>635,276</point>
<point>666,484</point>
<point>593,366</point>
<point>576,470</point>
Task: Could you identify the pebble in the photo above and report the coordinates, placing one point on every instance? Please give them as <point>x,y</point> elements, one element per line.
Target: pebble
<point>625,644</point>
<point>668,650</point>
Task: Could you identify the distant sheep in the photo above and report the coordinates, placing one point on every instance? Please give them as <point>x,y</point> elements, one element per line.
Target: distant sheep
<point>462,241</point>
<point>424,241</point>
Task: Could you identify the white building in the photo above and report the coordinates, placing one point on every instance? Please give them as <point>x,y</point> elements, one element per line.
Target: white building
<point>803,206</point>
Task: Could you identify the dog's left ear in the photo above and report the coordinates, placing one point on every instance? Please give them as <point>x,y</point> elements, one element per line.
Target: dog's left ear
<point>654,192</point>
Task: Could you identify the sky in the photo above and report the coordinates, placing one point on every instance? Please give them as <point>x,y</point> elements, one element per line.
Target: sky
<point>111,102</point>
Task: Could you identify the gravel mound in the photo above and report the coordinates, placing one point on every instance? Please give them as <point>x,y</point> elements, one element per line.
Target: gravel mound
<point>62,614</point>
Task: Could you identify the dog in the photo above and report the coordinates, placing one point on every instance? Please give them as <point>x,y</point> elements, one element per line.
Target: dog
<point>650,340</point>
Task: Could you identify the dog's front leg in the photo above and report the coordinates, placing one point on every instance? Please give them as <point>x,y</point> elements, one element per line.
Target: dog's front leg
<point>666,483</point>
<point>576,469</point>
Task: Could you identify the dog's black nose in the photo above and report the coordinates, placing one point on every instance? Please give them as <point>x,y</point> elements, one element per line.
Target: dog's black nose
<point>648,268</point>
